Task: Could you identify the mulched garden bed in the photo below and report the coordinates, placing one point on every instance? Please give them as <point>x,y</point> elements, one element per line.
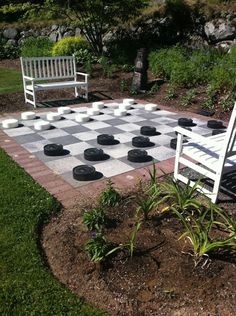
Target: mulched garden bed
<point>160,279</point>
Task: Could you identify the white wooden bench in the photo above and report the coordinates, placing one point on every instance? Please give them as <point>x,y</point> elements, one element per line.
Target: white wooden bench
<point>60,71</point>
<point>211,156</point>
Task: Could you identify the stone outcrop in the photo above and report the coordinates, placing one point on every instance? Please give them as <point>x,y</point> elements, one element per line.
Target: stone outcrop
<point>219,32</point>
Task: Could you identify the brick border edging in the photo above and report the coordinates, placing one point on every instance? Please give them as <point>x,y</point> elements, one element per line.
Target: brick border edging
<point>66,194</point>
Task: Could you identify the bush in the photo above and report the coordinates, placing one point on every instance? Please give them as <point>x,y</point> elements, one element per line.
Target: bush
<point>36,47</point>
<point>8,51</point>
<point>69,45</point>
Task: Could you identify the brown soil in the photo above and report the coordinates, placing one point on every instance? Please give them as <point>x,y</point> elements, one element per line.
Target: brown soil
<point>160,279</point>
<point>102,88</point>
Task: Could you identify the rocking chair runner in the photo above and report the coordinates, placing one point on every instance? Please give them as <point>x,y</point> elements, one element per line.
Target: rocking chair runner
<point>210,156</point>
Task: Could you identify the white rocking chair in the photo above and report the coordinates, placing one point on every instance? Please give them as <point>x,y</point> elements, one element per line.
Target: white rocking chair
<point>210,156</point>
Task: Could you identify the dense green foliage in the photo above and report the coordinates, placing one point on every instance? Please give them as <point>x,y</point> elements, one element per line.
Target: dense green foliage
<point>69,45</point>
<point>36,47</point>
<point>8,51</point>
<point>10,81</point>
<point>186,69</point>
<point>27,286</point>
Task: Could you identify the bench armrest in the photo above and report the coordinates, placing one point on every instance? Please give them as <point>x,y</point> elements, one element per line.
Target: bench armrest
<point>193,136</point>
<point>83,74</point>
<point>29,78</point>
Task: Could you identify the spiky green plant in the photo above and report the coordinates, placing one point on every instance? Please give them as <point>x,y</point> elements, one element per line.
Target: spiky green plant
<point>110,197</point>
<point>181,197</point>
<point>198,231</point>
<point>98,247</point>
<point>146,204</point>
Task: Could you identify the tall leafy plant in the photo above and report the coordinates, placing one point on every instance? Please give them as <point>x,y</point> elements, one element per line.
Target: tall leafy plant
<point>97,17</point>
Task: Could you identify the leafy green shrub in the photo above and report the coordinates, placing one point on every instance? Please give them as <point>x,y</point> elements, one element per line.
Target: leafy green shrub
<point>163,61</point>
<point>170,93</point>
<point>94,219</point>
<point>69,45</point>
<point>110,197</point>
<point>107,67</point>
<point>36,47</point>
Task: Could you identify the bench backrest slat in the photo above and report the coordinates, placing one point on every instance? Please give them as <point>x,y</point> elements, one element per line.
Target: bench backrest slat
<point>48,68</point>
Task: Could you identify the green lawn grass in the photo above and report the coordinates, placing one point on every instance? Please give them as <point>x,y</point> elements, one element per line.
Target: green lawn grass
<point>26,285</point>
<point>10,81</point>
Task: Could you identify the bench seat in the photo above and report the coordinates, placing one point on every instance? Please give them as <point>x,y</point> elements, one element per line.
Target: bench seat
<point>55,85</point>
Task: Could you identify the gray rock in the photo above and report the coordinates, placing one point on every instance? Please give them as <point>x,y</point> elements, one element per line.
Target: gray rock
<point>69,33</point>
<point>53,36</point>
<point>12,42</point>
<point>54,27</point>
<point>219,30</point>
<point>10,33</point>
<point>77,31</point>
<point>62,29</point>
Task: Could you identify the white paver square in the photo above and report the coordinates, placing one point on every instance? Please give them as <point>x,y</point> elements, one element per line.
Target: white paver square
<point>113,168</point>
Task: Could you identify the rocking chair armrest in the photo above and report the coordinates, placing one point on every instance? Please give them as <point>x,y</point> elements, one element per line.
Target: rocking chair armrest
<point>192,135</point>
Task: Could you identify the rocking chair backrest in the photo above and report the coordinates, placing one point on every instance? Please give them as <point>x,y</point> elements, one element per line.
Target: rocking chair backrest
<point>229,139</point>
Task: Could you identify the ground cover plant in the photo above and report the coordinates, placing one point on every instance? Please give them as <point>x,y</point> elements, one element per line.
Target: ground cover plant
<point>27,286</point>
<point>179,258</point>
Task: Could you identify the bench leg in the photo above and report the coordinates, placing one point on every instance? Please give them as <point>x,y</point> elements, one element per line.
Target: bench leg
<point>76,92</point>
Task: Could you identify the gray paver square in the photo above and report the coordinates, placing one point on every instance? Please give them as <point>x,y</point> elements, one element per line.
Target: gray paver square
<point>75,129</point>
<point>110,130</point>
<point>114,168</point>
<point>53,133</point>
<point>65,140</point>
<point>36,146</point>
<point>63,165</point>
<point>29,138</point>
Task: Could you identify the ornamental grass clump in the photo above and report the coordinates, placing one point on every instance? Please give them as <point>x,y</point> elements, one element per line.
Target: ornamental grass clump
<point>182,198</point>
<point>199,231</point>
<point>98,247</point>
<point>110,197</point>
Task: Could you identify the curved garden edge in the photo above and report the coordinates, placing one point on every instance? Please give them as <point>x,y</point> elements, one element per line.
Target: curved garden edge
<point>161,282</point>
<point>27,285</point>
